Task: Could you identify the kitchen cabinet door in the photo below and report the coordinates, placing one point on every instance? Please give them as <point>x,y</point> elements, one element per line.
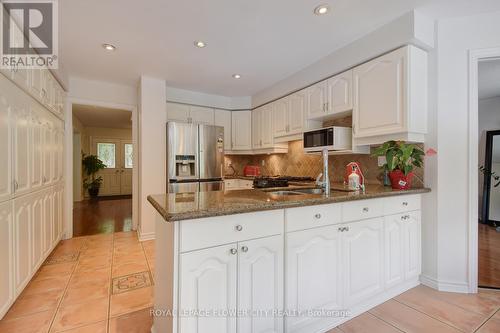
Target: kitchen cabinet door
<point>223,118</point>
<point>314,277</point>
<point>19,76</point>
<point>317,97</point>
<point>21,151</point>
<point>297,103</point>
<point>266,125</point>
<point>177,112</point>
<point>22,242</point>
<point>241,125</point>
<point>37,230</point>
<point>6,257</point>
<point>202,115</point>
<point>340,93</point>
<point>6,129</point>
<point>56,216</point>
<point>55,155</point>
<point>412,244</point>
<point>61,211</point>
<point>257,128</point>
<point>260,284</point>
<point>208,281</point>
<point>48,222</point>
<point>280,117</point>
<point>48,142</point>
<point>394,247</point>
<point>363,254</point>
<point>380,95</point>
<point>36,140</point>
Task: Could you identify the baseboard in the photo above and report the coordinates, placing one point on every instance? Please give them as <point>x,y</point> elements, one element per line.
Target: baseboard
<point>454,287</point>
<point>145,236</point>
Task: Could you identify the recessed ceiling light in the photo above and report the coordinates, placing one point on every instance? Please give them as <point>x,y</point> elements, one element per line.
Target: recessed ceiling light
<point>109,47</point>
<point>200,44</point>
<point>237,76</point>
<point>321,9</point>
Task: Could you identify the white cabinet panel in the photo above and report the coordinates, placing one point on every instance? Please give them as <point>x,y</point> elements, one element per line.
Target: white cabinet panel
<point>56,215</point>
<point>266,132</point>
<point>394,256</point>
<point>241,125</point>
<point>202,115</point>
<point>36,83</point>
<point>177,112</point>
<point>36,161</point>
<point>22,242</point>
<point>339,93</point>
<point>48,142</point>
<point>313,274</point>
<point>6,257</point>
<point>256,128</point>
<point>280,117</point>
<point>48,222</point>
<point>317,96</point>
<point>208,281</point>
<point>6,124</point>
<point>223,118</point>
<point>260,284</point>
<point>37,230</point>
<point>21,144</point>
<point>412,243</point>
<point>297,104</point>
<point>363,250</point>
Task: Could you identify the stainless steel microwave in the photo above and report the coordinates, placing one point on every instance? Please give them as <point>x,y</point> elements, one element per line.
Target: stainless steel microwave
<point>330,138</point>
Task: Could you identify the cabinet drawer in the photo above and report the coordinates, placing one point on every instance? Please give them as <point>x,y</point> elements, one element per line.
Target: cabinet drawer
<point>401,204</point>
<point>213,231</point>
<point>314,216</point>
<point>362,209</point>
<point>230,184</point>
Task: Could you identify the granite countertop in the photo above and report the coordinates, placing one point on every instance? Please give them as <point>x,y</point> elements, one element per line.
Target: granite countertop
<point>186,206</point>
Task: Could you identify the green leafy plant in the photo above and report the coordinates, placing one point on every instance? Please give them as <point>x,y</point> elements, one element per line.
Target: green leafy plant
<point>400,156</point>
<point>491,174</point>
<point>91,165</point>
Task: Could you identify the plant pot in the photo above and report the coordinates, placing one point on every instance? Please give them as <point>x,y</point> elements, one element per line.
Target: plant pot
<point>400,181</point>
<point>93,192</point>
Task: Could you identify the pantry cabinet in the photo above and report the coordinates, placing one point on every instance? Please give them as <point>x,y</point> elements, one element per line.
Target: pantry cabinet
<point>21,148</point>
<point>223,118</point>
<point>22,242</point>
<point>6,128</point>
<point>6,257</point>
<point>241,130</point>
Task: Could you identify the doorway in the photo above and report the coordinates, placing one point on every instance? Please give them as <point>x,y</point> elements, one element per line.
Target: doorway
<point>104,134</point>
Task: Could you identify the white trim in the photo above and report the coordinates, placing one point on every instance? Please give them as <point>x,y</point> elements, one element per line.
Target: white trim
<point>145,236</point>
<point>454,287</point>
<point>473,141</point>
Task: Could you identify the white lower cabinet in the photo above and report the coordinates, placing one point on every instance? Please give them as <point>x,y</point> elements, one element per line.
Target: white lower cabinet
<point>37,230</point>
<point>6,257</point>
<point>22,242</point>
<point>313,279</point>
<point>244,277</point>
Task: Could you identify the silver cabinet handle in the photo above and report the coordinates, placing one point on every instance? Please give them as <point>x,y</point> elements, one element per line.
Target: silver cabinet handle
<point>405,203</point>
<point>317,216</point>
<point>239,228</point>
<point>233,251</point>
<point>405,217</point>
<point>365,210</point>
<point>341,229</point>
<point>244,249</point>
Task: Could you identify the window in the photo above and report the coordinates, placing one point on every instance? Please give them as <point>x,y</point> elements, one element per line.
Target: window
<point>106,153</point>
<point>128,156</point>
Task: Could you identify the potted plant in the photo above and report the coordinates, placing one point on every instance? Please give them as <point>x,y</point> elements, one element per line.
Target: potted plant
<point>91,165</point>
<point>401,158</point>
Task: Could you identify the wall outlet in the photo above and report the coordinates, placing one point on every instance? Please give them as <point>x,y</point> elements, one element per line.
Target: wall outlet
<point>381,161</point>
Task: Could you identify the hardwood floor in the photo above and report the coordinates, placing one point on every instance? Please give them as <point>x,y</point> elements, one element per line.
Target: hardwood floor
<point>489,256</point>
<point>105,215</point>
<point>104,284</point>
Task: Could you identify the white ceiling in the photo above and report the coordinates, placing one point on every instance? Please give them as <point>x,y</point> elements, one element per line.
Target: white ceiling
<point>264,41</point>
<point>94,116</point>
<point>489,79</point>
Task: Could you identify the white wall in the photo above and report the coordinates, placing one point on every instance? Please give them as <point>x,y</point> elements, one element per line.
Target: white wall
<point>214,101</point>
<point>105,92</point>
<point>152,174</point>
<point>456,37</point>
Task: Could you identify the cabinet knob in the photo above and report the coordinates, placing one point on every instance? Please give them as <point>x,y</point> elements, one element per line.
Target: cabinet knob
<point>244,249</point>
<point>233,251</point>
<point>365,210</point>
<point>239,228</point>
<point>317,216</point>
<point>405,203</point>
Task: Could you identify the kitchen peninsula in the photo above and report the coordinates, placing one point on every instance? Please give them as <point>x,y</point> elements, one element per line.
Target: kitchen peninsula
<point>283,262</point>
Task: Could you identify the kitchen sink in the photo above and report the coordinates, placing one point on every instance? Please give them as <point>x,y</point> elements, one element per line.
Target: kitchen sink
<point>310,191</point>
<point>286,193</point>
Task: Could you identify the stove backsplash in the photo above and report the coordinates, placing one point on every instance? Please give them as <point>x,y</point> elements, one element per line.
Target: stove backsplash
<point>297,163</point>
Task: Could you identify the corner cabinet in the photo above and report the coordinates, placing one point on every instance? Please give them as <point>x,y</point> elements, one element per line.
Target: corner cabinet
<point>390,97</point>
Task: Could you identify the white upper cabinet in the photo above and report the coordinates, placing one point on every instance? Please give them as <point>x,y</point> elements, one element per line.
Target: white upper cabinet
<point>241,130</point>
<point>280,117</point>
<point>36,144</point>
<point>317,97</point>
<point>390,97</point>
<point>296,112</point>
<point>339,94</point>
<point>223,118</point>
<point>6,124</point>
<point>190,113</point>
<point>262,127</point>
<point>21,151</point>
<point>256,128</point>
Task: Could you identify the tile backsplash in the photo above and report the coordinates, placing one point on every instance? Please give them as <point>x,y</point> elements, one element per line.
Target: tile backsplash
<point>297,163</point>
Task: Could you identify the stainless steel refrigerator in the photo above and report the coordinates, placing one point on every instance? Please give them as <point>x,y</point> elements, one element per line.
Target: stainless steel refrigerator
<point>195,157</point>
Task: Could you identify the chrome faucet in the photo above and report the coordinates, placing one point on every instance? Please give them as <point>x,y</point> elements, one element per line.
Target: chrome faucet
<point>325,184</point>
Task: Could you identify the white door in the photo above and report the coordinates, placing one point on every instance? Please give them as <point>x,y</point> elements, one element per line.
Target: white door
<point>127,157</point>
<point>379,95</point>
<point>177,112</point>
<point>36,144</point>
<point>260,285</point>
<point>37,241</point>
<point>241,130</point>
<point>280,117</point>
<point>6,257</point>
<point>317,96</point>
<point>6,124</point>
<point>394,256</point>
<point>256,128</point>
<point>202,115</point>
<point>21,144</point>
<point>48,222</point>
<point>313,275</point>
<point>223,118</point>
<point>207,282</point>
<point>411,240</point>
<point>22,242</point>
<point>363,254</point>
<point>297,104</point>
<point>340,93</point>
<point>108,151</point>
<point>266,127</point>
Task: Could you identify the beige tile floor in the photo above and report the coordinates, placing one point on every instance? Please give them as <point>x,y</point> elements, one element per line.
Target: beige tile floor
<point>104,283</point>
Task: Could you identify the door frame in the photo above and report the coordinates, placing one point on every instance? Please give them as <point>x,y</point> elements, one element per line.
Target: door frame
<point>68,156</point>
<point>475,56</point>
